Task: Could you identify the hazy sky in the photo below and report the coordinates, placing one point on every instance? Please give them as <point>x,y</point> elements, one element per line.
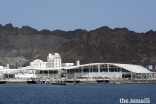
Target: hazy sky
<point>136,15</point>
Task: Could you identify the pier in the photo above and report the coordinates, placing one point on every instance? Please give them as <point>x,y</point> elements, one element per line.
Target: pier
<point>71,81</point>
<point>60,81</point>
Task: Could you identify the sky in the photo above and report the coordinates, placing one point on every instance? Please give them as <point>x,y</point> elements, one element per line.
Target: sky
<point>68,15</point>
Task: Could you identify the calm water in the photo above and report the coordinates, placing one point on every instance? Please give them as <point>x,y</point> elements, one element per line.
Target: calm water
<point>79,94</point>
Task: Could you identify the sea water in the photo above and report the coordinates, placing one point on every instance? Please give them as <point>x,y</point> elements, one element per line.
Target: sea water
<point>78,94</point>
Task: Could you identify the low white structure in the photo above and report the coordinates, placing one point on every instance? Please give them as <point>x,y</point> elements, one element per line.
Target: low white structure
<point>53,69</point>
<point>53,61</point>
<point>67,64</point>
<point>38,64</point>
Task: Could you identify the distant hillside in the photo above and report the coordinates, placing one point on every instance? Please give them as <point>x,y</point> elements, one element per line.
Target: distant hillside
<point>117,45</point>
<point>30,43</point>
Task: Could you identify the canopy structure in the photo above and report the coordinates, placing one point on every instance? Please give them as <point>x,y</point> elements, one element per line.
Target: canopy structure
<point>133,68</point>
<point>91,70</point>
<point>129,67</point>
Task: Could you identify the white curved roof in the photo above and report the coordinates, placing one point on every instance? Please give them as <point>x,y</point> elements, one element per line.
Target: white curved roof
<point>129,67</point>
<point>133,68</point>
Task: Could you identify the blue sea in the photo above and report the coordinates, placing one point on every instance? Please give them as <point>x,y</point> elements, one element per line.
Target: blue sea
<point>78,94</point>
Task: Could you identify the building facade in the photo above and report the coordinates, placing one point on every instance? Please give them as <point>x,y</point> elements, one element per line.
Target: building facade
<point>151,68</point>
<point>53,69</point>
<point>38,64</point>
<point>108,70</point>
<point>54,60</point>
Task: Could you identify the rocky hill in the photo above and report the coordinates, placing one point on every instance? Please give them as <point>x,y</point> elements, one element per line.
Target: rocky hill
<point>30,43</point>
<point>117,45</point>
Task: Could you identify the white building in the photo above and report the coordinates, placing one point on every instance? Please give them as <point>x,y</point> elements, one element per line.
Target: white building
<point>53,68</point>
<point>108,70</point>
<point>67,64</point>
<point>54,60</point>
<point>38,64</point>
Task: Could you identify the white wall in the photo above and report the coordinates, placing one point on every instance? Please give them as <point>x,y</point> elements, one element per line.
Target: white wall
<point>20,75</point>
<point>38,64</point>
<point>67,64</point>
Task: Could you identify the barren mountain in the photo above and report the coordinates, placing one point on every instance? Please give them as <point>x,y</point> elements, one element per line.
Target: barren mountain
<point>117,45</point>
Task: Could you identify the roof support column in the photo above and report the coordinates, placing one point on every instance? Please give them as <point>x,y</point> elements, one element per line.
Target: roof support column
<point>98,70</point>
<point>81,71</point>
<point>92,70</point>
<point>108,70</point>
<point>74,73</point>
<point>89,72</point>
<point>48,73</point>
<point>121,72</point>
<point>66,73</point>
<point>131,76</point>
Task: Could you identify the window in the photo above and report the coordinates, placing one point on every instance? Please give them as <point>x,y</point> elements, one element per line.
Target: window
<point>103,69</point>
<point>85,69</point>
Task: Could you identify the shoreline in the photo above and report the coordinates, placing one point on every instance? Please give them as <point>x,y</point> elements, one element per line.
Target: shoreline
<point>83,81</point>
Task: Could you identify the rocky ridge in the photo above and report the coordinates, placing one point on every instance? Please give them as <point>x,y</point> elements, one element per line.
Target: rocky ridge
<point>29,42</point>
<point>103,44</point>
<point>117,45</point>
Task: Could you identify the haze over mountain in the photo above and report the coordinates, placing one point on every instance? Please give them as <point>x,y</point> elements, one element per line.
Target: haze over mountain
<point>119,45</point>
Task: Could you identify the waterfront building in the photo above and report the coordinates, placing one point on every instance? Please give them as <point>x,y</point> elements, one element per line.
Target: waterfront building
<point>107,70</point>
<point>54,69</point>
